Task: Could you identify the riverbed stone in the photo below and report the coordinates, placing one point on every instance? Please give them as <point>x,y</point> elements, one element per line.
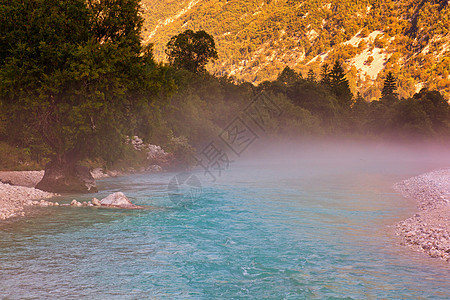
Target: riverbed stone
<point>95,202</point>
<point>118,200</point>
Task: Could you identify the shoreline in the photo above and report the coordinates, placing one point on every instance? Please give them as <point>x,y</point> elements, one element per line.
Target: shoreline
<point>17,192</point>
<point>15,199</point>
<point>427,231</point>
<point>18,195</point>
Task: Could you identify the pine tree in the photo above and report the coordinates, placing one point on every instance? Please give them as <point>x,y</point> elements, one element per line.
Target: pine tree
<point>311,76</point>
<point>390,85</point>
<point>339,85</point>
<point>388,94</point>
<point>325,75</point>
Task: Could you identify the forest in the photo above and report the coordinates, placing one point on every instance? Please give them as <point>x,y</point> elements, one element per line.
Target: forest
<point>76,80</point>
<point>256,39</point>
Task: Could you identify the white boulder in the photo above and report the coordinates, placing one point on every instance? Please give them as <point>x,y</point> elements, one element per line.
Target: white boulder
<point>118,200</point>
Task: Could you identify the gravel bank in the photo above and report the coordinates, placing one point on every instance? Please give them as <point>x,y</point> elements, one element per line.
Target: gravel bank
<point>428,230</point>
<point>13,199</point>
<point>17,191</point>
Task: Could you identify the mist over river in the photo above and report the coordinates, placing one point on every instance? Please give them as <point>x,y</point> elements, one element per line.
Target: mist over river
<point>301,221</point>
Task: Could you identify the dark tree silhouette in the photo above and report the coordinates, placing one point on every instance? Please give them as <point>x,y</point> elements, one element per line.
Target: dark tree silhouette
<point>339,85</point>
<point>436,108</point>
<point>390,85</point>
<point>311,76</point>
<point>325,75</point>
<point>191,50</point>
<point>289,76</point>
<point>388,94</point>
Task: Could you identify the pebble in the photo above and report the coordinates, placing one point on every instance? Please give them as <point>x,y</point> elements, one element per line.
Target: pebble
<point>96,202</point>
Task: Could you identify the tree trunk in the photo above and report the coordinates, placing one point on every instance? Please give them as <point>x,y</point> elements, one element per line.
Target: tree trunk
<point>67,177</point>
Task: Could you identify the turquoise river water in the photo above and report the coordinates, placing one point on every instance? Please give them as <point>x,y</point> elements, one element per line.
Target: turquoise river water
<point>308,227</point>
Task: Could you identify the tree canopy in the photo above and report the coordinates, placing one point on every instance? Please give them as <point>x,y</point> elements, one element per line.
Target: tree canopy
<point>72,74</point>
<point>288,76</point>
<point>256,41</point>
<point>191,50</point>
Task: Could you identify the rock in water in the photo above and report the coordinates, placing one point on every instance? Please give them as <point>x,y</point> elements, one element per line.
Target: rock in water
<point>60,178</point>
<point>118,200</point>
<point>95,202</point>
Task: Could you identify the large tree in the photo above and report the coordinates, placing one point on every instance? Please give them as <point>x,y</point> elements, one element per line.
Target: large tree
<point>289,76</point>
<point>72,74</point>
<point>191,50</point>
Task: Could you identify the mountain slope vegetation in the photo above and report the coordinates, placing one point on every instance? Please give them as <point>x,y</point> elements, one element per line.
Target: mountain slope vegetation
<point>256,39</point>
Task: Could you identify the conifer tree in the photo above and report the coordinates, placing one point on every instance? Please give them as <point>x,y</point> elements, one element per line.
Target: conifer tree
<point>325,75</point>
<point>339,85</point>
<point>390,85</point>
<point>311,76</point>
<point>388,94</point>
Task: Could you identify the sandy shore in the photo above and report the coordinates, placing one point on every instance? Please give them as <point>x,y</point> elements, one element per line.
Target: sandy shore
<point>428,231</point>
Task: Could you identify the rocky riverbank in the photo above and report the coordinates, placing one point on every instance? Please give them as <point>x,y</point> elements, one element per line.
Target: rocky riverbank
<point>428,231</point>
<point>14,199</point>
<point>17,192</point>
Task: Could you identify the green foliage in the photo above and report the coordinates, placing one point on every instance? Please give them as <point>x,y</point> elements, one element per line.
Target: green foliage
<point>18,159</point>
<point>410,120</point>
<point>73,74</point>
<point>130,160</point>
<point>74,80</point>
<point>183,152</point>
<point>191,50</point>
<point>424,116</point>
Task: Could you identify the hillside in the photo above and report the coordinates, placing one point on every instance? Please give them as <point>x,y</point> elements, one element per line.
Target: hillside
<point>256,39</point>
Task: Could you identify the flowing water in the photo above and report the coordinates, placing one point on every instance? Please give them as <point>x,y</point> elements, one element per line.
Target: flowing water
<point>309,227</point>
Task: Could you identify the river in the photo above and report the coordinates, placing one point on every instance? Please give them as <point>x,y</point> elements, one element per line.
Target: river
<point>318,225</point>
